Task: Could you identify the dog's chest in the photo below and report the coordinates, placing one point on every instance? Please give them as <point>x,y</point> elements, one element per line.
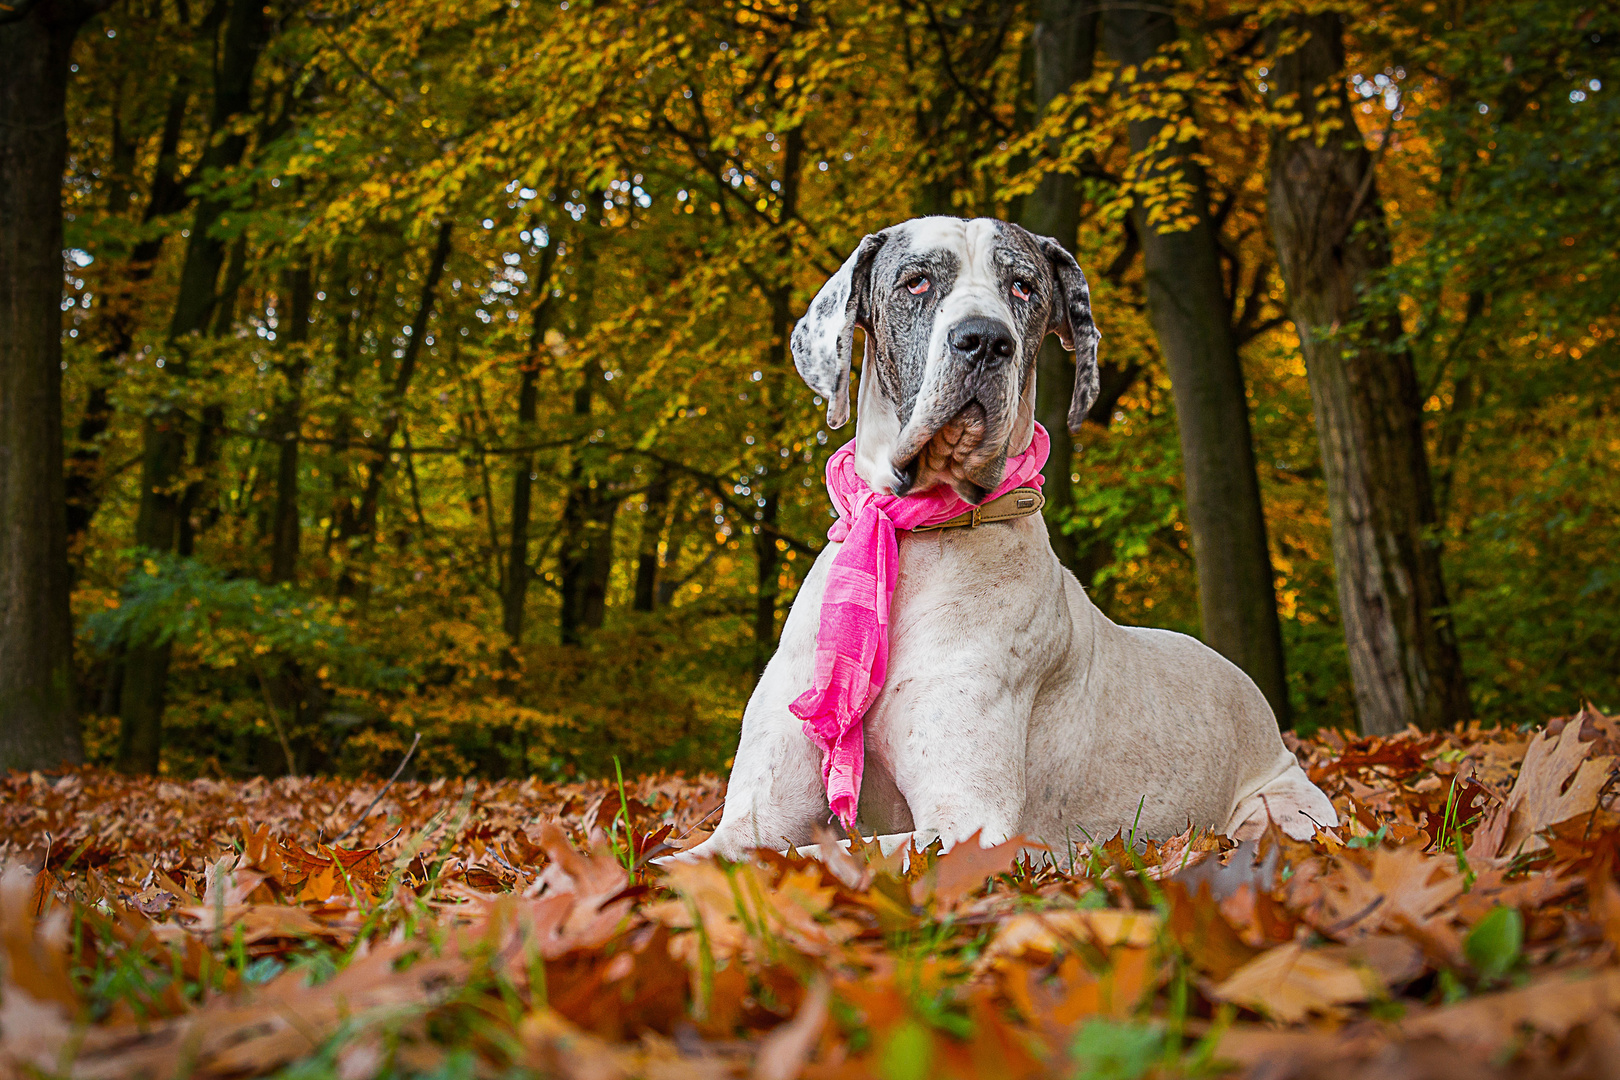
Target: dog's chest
<point>965,579</point>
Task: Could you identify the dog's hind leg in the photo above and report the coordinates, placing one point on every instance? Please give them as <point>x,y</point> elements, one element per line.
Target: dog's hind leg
<point>1297,806</point>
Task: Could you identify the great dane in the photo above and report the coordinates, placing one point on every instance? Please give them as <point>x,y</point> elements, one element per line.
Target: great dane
<point>1012,706</point>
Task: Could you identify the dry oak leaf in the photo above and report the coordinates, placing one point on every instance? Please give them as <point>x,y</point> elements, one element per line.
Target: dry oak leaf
<point>1552,1005</point>
<point>1394,959</point>
<point>1604,902</point>
<point>578,904</point>
<point>33,952</point>
<point>851,872</point>
<point>257,922</point>
<point>1058,999</point>
<point>783,1053</point>
<point>1317,1051</point>
<point>735,904</point>
<point>36,995</point>
<point>1493,888</point>
<point>641,989</point>
<point>964,869</point>
<point>282,1023</point>
<point>596,874</point>
<point>1498,762</point>
<point>997,1048</point>
<point>1290,982</point>
<point>228,885</point>
<point>708,898</point>
<point>1201,928</point>
<point>555,1048</point>
<point>1055,931</point>
<point>34,1034</point>
<point>1540,798</point>
<point>1395,888</point>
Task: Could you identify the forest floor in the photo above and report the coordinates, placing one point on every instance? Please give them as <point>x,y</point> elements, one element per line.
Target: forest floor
<point>1463,921</point>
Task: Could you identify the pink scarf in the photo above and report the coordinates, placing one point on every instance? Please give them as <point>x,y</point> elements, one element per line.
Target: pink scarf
<point>852,643</point>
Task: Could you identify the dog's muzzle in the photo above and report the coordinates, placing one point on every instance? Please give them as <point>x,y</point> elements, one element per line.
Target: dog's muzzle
<point>981,342</point>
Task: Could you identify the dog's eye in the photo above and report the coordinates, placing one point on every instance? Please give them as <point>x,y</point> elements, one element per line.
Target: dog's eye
<point>1021,290</point>
<point>917,286</point>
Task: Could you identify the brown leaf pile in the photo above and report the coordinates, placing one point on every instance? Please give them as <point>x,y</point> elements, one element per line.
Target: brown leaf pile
<point>1464,921</point>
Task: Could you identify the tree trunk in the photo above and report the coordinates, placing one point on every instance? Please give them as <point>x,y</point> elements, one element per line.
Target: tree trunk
<point>588,564</point>
<point>1191,317</point>
<point>1095,553</point>
<point>669,580</point>
<point>364,523</point>
<point>1064,46</point>
<point>514,596</point>
<point>585,558</point>
<point>39,727</point>
<point>1331,238</point>
<point>285,533</point>
<point>345,346</point>
<point>778,363</point>
<point>163,518</point>
<point>653,521</point>
<point>585,549</point>
<point>117,324</point>
<point>198,506</point>
<point>515,584</point>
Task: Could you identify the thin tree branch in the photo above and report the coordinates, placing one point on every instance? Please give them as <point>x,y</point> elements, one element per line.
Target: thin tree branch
<point>275,719</point>
<point>372,805</point>
<point>1367,178</point>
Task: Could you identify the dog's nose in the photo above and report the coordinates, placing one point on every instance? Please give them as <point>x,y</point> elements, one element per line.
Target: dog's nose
<point>981,340</point>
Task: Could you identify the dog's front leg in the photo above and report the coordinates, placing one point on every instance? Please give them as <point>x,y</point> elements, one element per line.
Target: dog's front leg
<point>775,798</point>
<point>955,746</point>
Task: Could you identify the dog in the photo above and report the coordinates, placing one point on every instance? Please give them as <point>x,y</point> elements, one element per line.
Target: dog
<point>1011,706</point>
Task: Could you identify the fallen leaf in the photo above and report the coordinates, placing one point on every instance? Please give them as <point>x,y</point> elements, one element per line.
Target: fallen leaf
<point>964,869</point>
<point>1289,982</point>
<point>1605,903</point>
<point>783,1053</point>
<point>1552,1005</point>
<point>1392,889</point>
<point>1053,931</point>
<point>1560,779</point>
<point>1201,930</point>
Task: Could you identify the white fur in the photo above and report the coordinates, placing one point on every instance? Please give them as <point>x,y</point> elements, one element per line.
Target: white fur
<point>1012,705</point>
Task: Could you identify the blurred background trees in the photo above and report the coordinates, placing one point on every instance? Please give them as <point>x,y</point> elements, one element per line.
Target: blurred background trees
<point>425,369</point>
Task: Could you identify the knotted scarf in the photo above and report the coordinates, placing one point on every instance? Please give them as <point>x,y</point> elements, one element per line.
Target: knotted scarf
<point>852,644</point>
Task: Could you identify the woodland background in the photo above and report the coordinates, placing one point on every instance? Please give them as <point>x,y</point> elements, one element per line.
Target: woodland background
<point>422,368</point>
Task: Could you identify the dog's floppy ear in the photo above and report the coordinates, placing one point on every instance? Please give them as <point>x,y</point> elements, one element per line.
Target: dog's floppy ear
<point>824,339</point>
<point>1071,317</point>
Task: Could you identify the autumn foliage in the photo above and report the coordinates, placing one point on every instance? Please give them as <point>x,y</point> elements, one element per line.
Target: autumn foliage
<point>424,367</point>
<point>1464,921</point>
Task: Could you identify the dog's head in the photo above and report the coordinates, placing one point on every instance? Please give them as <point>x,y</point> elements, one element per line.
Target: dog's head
<point>954,313</point>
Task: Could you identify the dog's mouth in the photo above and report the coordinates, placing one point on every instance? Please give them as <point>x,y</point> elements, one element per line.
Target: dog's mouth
<point>956,454</point>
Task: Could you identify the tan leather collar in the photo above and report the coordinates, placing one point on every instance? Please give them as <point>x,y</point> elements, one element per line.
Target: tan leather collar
<point>1017,503</point>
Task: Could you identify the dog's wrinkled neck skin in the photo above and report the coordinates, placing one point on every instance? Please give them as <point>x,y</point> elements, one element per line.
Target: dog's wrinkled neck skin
<point>953,314</point>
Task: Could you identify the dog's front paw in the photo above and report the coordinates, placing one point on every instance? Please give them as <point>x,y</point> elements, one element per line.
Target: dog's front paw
<point>719,846</point>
